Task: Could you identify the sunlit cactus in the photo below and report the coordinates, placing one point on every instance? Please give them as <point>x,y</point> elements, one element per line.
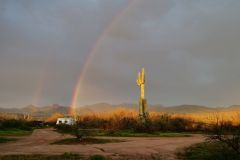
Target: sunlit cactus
<point>142,101</point>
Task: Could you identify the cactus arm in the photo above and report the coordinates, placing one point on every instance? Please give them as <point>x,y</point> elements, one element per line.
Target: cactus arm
<point>143,75</point>
<point>138,83</point>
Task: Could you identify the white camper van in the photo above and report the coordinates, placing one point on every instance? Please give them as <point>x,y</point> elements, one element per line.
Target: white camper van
<point>67,121</point>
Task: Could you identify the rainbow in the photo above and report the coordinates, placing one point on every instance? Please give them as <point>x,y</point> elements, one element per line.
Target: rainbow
<point>39,89</point>
<point>93,51</point>
<point>40,83</point>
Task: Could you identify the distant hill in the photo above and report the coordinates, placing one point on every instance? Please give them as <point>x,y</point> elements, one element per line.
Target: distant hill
<point>186,109</point>
<point>233,108</point>
<point>37,111</point>
<point>104,107</point>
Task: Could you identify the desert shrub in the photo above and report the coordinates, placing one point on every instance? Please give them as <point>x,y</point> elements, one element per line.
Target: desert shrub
<point>223,142</point>
<point>209,151</point>
<point>161,122</point>
<point>145,126</point>
<point>83,133</point>
<point>93,122</point>
<point>13,123</point>
<point>114,121</point>
<point>226,133</point>
<point>70,155</point>
<point>6,139</point>
<point>199,126</point>
<point>129,120</point>
<point>65,156</point>
<point>125,123</point>
<point>64,128</point>
<point>180,124</point>
<point>158,122</point>
<point>223,127</point>
<point>74,130</point>
<point>37,124</point>
<point>97,157</point>
<point>113,132</point>
<point>10,123</point>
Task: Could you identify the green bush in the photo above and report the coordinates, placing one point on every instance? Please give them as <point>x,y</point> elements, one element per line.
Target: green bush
<point>209,151</point>
<point>70,155</point>
<point>65,156</point>
<point>127,123</point>
<point>64,128</point>
<point>98,157</point>
<point>180,124</point>
<point>89,122</point>
<point>6,139</point>
<point>145,126</point>
<point>12,123</point>
<point>79,133</point>
<point>226,133</point>
<point>162,122</point>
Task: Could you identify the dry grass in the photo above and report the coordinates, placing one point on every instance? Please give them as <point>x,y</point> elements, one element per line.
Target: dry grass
<point>207,117</point>
<point>212,117</point>
<point>123,118</point>
<point>116,114</point>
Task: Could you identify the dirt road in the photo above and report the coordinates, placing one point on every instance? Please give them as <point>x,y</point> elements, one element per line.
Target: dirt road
<point>38,143</point>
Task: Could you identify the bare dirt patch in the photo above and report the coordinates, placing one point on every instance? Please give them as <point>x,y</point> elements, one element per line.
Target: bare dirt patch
<point>39,143</point>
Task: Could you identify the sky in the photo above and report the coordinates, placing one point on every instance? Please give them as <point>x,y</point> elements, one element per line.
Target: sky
<point>189,48</point>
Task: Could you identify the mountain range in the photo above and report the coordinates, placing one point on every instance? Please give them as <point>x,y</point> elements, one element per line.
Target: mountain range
<point>105,107</point>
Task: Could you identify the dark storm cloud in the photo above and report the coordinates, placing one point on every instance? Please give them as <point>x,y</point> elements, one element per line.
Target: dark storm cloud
<point>43,45</point>
<point>190,50</point>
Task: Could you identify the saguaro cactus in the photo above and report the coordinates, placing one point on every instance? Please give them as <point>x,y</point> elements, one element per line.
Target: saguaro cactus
<point>142,100</point>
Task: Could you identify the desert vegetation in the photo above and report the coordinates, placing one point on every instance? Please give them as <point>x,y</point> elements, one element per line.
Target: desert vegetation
<point>16,127</point>
<point>125,122</point>
<point>13,127</point>
<point>6,139</point>
<point>222,130</point>
<point>223,143</point>
<point>65,156</point>
<point>123,119</point>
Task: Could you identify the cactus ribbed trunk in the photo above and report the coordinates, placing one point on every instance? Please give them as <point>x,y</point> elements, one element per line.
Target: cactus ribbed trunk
<point>142,100</point>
